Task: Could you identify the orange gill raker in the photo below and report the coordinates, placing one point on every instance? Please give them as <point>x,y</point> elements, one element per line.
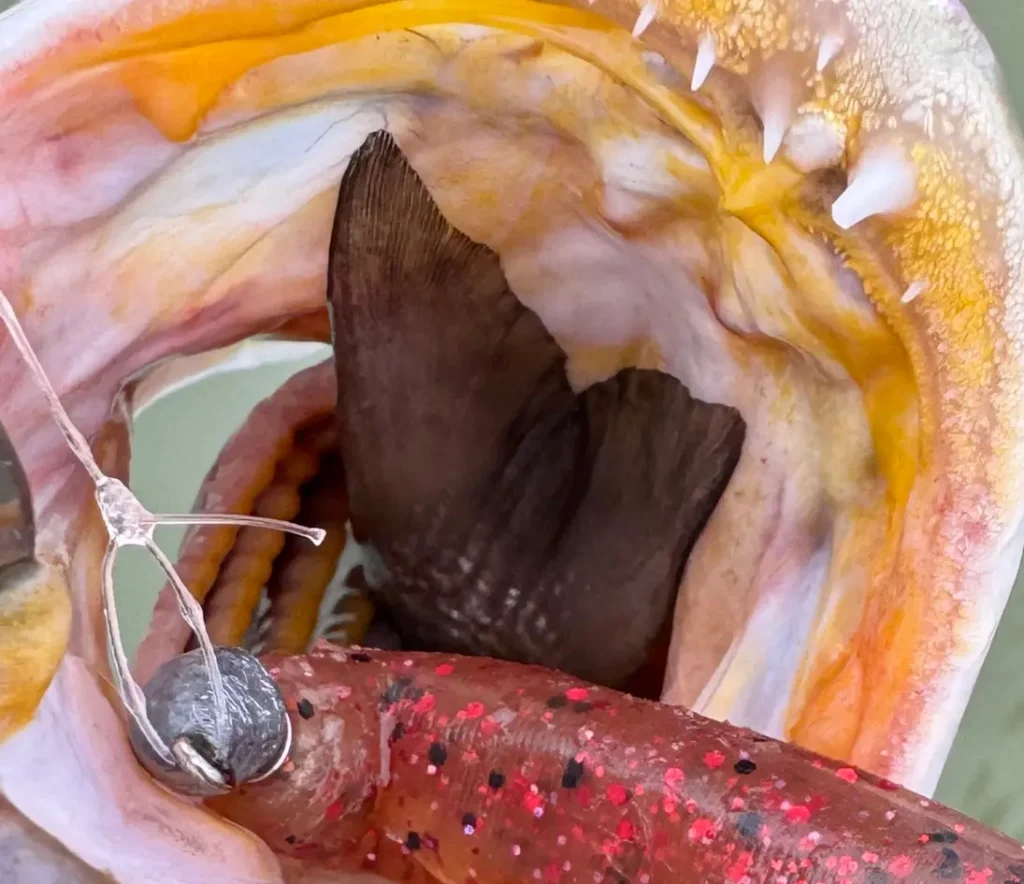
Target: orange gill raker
<point>129,523</point>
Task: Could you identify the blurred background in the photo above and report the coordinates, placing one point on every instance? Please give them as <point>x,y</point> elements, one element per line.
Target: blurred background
<point>177,439</point>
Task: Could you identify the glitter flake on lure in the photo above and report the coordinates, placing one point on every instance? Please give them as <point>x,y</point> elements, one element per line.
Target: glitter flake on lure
<point>584,784</point>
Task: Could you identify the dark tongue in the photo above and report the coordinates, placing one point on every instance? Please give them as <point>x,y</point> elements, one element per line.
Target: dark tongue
<point>514,517</point>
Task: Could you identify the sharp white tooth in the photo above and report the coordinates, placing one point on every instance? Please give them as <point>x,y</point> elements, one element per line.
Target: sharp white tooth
<point>775,126</point>
<point>885,180</point>
<point>705,61</point>
<point>913,290</point>
<point>644,19</point>
<point>776,100</point>
<point>828,49</point>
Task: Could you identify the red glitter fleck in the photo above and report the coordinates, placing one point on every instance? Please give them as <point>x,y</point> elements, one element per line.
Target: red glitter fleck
<point>334,809</point>
<point>473,710</point>
<point>343,692</point>
<point>533,802</point>
<point>489,726</point>
<point>625,830</point>
<point>616,794</point>
<point>847,865</point>
<point>701,829</point>
<point>959,829</point>
<point>978,876</point>
<point>714,759</point>
<point>847,774</point>
<point>425,703</point>
<point>735,871</point>
<point>576,694</point>
<point>869,857</point>
<point>444,669</point>
<point>552,872</point>
<point>901,866</point>
<point>673,777</point>
<point>799,813</point>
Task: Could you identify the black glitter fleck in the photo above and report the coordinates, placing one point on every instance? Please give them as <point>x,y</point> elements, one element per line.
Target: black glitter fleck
<point>582,706</point>
<point>437,754</point>
<point>412,841</point>
<point>304,708</point>
<point>616,876</point>
<point>573,774</point>
<point>360,657</point>
<point>875,875</point>
<point>744,766</point>
<point>496,779</point>
<point>749,824</point>
<point>397,732</point>
<point>950,865</point>
<point>395,691</point>
<point>943,837</point>
<point>291,839</point>
<point>559,701</point>
<point>469,819</point>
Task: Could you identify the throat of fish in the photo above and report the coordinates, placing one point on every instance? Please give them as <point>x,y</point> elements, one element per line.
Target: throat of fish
<point>516,517</point>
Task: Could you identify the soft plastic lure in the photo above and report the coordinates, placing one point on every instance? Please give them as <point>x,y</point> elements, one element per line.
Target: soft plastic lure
<point>477,770</point>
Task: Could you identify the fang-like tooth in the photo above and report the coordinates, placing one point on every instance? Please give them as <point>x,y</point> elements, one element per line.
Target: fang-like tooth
<point>775,127</point>
<point>705,61</point>
<point>776,99</point>
<point>913,290</point>
<point>644,19</point>
<point>828,48</point>
<point>883,181</point>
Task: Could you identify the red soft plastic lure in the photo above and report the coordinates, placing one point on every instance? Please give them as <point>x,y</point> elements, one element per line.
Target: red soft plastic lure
<point>480,770</point>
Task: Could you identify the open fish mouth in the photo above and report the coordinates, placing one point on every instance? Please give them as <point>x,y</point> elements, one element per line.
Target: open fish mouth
<point>806,211</point>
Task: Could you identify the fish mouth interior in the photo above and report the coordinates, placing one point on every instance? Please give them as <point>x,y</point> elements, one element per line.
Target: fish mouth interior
<point>678,249</point>
<point>756,209</point>
<point>502,512</point>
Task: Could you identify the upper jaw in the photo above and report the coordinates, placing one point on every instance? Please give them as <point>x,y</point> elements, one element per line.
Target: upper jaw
<point>858,581</point>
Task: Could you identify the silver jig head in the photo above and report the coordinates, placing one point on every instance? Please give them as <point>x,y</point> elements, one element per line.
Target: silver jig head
<point>209,760</point>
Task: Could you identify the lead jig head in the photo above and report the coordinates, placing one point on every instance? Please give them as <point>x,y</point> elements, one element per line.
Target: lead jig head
<point>211,760</point>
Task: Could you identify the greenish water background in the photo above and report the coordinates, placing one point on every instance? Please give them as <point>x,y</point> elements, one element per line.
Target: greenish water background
<point>177,439</point>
